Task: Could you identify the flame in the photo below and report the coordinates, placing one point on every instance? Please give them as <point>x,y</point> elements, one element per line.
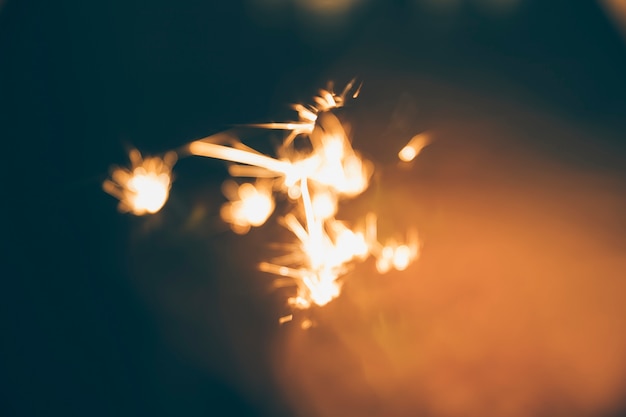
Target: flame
<point>144,188</point>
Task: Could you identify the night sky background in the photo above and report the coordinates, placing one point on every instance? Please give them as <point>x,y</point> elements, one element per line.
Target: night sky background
<point>104,314</point>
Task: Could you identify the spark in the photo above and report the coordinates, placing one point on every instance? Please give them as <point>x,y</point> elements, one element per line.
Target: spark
<point>314,179</point>
<point>250,205</point>
<point>144,188</point>
<point>396,255</point>
<point>285,319</point>
<point>325,100</point>
<point>414,147</point>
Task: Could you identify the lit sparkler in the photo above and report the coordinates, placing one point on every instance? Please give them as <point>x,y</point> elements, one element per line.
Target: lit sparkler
<point>314,180</point>
<point>145,187</point>
<point>326,100</point>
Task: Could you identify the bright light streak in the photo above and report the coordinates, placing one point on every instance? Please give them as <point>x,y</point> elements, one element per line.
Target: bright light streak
<point>285,319</point>
<point>326,100</point>
<point>315,181</point>
<point>212,150</point>
<point>144,188</point>
<point>414,147</point>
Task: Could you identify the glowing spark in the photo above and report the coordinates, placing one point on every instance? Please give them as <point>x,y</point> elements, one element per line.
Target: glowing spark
<point>397,256</point>
<point>326,100</point>
<point>414,147</point>
<point>227,153</point>
<point>315,180</point>
<point>250,205</point>
<point>144,188</point>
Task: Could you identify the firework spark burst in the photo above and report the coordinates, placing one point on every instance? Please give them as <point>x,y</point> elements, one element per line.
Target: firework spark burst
<point>315,178</point>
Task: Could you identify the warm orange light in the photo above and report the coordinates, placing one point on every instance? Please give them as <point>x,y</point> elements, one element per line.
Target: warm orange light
<point>414,147</point>
<point>315,180</point>
<point>144,188</point>
<point>318,180</point>
<point>250,205</point>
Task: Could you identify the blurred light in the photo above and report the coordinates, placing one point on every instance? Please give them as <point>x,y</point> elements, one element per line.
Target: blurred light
<point>144,188</point>
<point>315,180</point>
<point>414,147</point>
<point>249,206</point>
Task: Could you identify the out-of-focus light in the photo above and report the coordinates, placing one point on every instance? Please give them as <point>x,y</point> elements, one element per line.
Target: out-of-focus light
<point>250,206</point>
<point>414,147</point>
<point>398,256</point>
<point>315,181</point>
<point>144,188</point>
<point>324,205</point>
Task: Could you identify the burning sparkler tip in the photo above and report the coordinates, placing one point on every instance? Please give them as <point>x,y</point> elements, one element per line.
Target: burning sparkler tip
<point>144,187</point>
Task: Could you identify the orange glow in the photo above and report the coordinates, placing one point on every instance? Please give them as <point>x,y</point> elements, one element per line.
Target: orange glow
<point>315,181</point>
<point>516,307</point>
<point>414,147</point>
<point>324,205</point>
<point>144,188</point>
<point>250,205</point>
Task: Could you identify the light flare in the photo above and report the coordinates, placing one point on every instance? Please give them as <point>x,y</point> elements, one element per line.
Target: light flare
<point>315,178</point>
<point>316,181</point>
<point>145,187</point>
<point>250,205</point>
<point>414,147</point>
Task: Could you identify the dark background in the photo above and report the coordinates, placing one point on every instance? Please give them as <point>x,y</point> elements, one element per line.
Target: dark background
<point>85,330</point>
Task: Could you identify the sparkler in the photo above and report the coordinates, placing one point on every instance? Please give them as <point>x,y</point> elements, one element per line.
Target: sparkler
<point>314,179</point>
<point>145,187</point>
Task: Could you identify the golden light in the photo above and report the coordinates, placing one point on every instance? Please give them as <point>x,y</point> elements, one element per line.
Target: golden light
<point>144,188</point>
<point>324,205</point>
<point>249,206</point>
<point>398,256</point>
<point>516,310</point>
<point>315,181</point>
<point>414,147</point>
